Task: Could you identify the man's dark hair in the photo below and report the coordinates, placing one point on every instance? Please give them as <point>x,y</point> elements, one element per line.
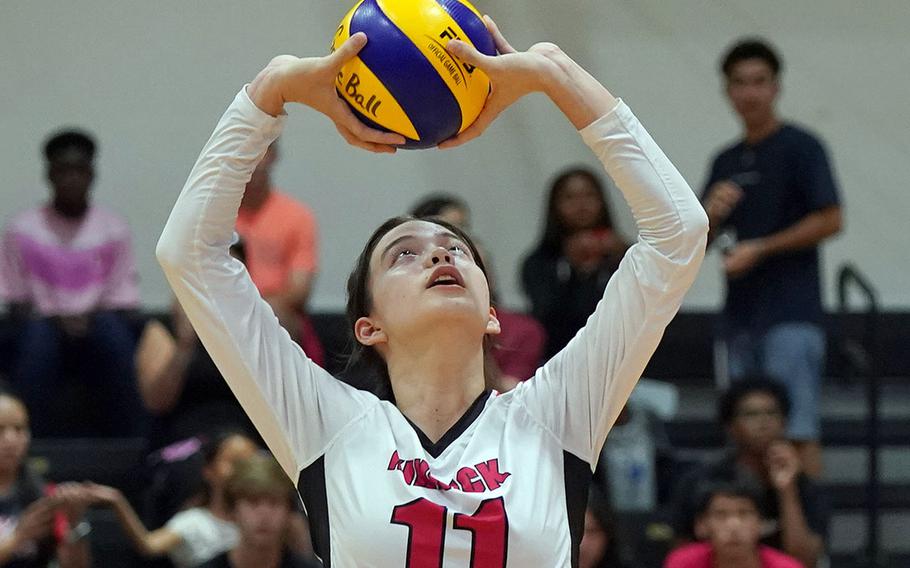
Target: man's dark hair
<point>66,139</point>
<point>739,487</point>
<point>729,401</point>
<point>751,48</point>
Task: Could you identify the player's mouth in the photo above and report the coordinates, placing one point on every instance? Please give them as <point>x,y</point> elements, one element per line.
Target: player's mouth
<point>445,276</point>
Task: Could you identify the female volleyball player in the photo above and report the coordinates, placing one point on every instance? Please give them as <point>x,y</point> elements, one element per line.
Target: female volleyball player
<point>450,474</point>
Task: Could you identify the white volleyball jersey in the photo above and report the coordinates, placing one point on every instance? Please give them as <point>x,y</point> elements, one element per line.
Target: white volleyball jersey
<point>507,485</point>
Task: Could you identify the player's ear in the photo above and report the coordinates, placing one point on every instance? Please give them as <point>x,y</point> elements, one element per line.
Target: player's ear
<point>493,327</point>
<point>368,332</point>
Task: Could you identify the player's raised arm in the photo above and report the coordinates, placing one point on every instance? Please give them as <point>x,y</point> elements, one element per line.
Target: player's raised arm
<point>579,393</point>
<point>297,407</point>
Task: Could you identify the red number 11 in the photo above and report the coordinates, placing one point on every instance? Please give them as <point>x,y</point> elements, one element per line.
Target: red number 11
<point>426,522</point>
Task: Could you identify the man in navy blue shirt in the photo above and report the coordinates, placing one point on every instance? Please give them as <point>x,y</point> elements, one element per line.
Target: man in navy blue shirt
<point>772,195</point>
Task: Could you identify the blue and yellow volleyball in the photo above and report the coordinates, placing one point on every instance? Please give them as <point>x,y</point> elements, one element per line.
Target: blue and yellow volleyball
<point>405,80</point>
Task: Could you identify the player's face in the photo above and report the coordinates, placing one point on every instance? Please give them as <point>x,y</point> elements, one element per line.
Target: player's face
<point>14,433</point>
<point>732,524</point>
<point>758,422</point>
<point>262,521</point>
<point>753,88</point>
<point>422,274</point>
<point>578,204</point>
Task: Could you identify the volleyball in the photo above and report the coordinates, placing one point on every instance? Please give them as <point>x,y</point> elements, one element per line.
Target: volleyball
<point>404,80</point>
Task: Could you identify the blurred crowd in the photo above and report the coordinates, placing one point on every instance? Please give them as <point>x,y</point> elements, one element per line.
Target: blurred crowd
<point>90,363</point>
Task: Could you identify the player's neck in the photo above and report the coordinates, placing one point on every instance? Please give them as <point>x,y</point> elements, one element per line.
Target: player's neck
<point>434,387</point>
<point>246,556</point>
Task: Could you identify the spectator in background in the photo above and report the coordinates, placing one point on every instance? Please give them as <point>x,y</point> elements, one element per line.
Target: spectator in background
<point>729,523</point>
<point>774,194</point>
<point>599,548</point>
<point>68,273</point>
<point>179,383</point>
<point>282,251</point>
<point>38,523</point>
<point>565,275</point>
<point>261,500</point>
<point>197,534</point>
<point>754,413</point>
<point>518,349</point>
<point>628,466</point>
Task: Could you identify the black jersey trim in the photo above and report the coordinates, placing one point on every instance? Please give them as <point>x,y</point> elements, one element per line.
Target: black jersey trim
<point>311,487</point>
<point>578,477</point>
<point>435,449</point>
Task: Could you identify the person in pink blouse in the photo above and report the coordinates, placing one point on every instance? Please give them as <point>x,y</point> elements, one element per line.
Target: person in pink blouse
<point>729,526</point>
<point>68,275</point>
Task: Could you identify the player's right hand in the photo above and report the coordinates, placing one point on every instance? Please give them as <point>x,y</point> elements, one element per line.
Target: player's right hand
<point>723,197</point>
<point>311,81</point>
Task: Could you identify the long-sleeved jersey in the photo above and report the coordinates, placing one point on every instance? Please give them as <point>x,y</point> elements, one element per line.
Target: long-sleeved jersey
<point>506,486</point>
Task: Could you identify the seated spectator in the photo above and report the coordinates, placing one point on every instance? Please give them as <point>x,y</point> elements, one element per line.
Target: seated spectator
<point>38,523</point>
<point>754,413</point>
<point>729,523</point>
<point>598,547</point>
<point>261,501</point>
<point>68,274</point>
<point>282,250</point>
<point>197,534</point>
<point>629,459</point>
<point>565,275</point>
<point>518,349</point>
<point>181,386</point>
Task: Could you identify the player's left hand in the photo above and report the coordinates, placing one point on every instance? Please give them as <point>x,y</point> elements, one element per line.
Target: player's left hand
<point>745,256</point>
<point>513,74</point>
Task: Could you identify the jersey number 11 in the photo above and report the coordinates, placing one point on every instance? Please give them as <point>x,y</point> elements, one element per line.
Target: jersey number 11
<point>426,522</point>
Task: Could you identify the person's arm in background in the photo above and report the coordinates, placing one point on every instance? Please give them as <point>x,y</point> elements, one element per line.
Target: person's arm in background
<point>34,524</point>
<point>149,543</point>
<point>805,233</point>
<point>163,360</point>
<point>13,287</point>
<point>797,537</point>
<point>74,550</point>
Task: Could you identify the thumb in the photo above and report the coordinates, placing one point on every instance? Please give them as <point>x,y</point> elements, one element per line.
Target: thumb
<point>467,53</point>
<point>348,49</point>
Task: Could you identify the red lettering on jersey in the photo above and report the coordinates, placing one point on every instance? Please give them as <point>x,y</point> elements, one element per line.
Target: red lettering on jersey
<point>425,478</point>
<point>408,472</point>
<point>396,462</point>
<point>485,476</point>
<point>469,480</point>
<point>489,471</point>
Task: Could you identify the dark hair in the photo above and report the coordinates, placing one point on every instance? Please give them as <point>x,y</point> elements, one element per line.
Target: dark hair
<point>213,443</point>
<point>360,303</point>
<point>433,205</point>
<point>555,230</point>
<point>750,48</point>
<point>737,487</point>
<point>730,400</point>
<point>258,476</point>
<point>61,141</point>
